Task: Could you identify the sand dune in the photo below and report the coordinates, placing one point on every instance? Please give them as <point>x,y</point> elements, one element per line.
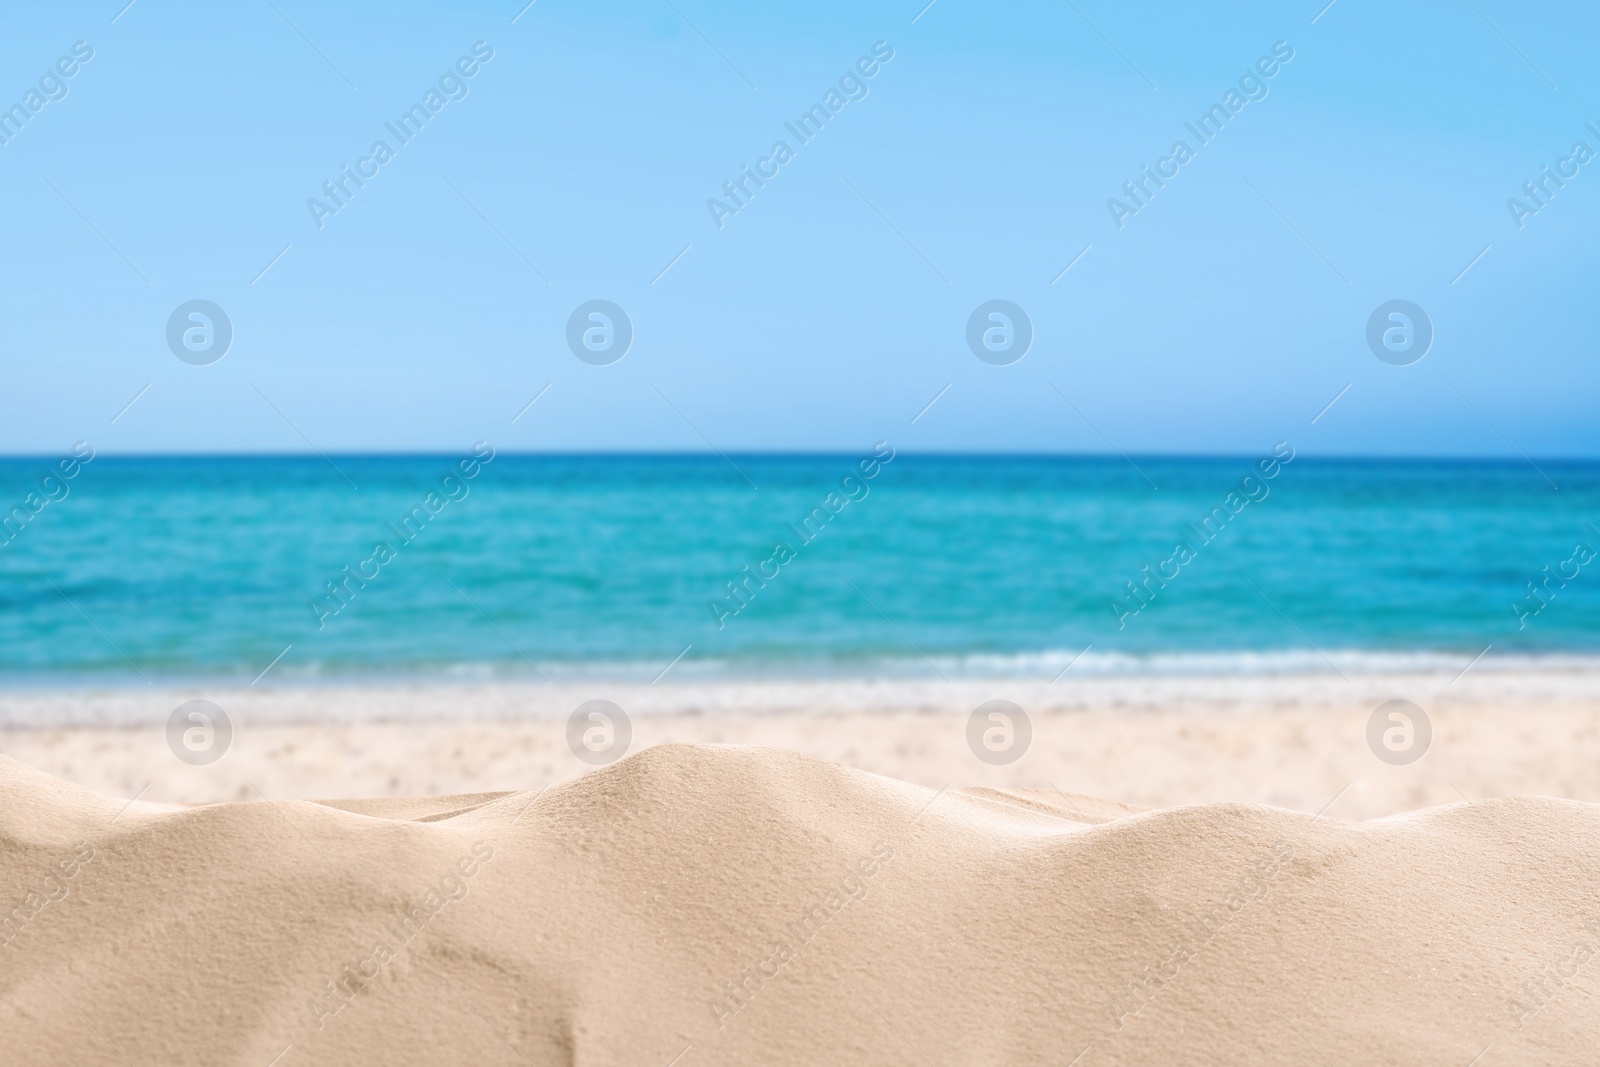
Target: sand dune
<point>701,905</point>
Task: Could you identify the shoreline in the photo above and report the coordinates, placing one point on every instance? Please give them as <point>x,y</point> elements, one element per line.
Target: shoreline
<point>1294,742</point>
<point>1027,668</point>
<point>352,702</point>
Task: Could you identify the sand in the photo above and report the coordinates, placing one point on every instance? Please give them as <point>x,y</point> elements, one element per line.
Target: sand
<point>705,905</point>
<point>1295,742</point>
<point>1177,871</point>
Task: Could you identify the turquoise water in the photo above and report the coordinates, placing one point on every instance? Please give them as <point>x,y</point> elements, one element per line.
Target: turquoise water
<point>172,568</point>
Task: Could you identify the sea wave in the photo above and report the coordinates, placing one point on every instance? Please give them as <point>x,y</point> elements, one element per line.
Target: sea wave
<point>1047,665</point>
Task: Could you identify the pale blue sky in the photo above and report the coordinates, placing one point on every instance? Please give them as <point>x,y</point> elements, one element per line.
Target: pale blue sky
<point>828,311</point>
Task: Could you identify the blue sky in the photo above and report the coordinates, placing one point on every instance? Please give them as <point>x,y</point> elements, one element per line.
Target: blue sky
<point>833,306</point>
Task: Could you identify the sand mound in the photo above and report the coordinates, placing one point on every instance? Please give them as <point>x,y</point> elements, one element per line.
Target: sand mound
<point>695,905</point>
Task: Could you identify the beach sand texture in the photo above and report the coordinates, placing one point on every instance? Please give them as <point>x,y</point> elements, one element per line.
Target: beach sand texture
<point>1293,741</point>
<point>695,904</point>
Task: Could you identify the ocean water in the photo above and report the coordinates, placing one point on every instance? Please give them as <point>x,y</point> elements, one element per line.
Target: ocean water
<point>176,568</point>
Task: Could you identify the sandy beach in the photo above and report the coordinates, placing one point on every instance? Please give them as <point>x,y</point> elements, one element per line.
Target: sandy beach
<point>703,905</point>
<point>891,535</point>
<point>1197,869</point>
<point>1296,742</point>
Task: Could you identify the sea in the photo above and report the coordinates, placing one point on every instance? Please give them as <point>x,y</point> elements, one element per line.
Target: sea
<point>305,569</point>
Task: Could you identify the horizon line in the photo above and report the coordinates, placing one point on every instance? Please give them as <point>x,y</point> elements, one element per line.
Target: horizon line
<point>804,454</point>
